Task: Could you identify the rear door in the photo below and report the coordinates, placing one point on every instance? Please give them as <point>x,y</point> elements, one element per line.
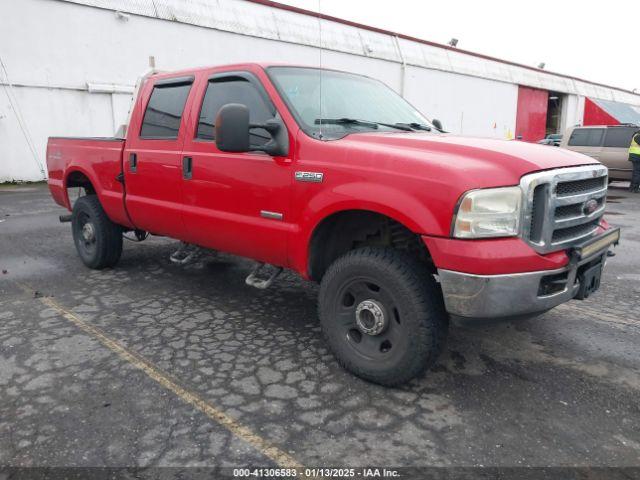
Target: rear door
<point>615,152</point>
<point>152,157</point>
<point>587,141</point>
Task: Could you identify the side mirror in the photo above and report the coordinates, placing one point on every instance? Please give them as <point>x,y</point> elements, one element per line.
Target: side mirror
<point>438,124</point>
<point>233,132</point>
<point>232,128</point>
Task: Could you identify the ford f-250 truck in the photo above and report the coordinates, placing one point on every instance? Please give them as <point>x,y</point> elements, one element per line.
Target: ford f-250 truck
<point>335,176</point>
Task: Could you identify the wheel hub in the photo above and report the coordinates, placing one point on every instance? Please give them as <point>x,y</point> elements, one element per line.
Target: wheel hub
<point>371,317</point>
<point>88,232</point>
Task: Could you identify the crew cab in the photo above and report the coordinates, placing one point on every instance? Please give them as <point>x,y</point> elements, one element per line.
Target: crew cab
<point>336,177</point>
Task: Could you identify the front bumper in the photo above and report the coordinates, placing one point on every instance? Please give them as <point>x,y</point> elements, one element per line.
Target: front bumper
<point>507,295</point>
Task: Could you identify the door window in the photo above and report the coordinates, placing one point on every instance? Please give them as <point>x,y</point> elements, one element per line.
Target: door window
<point>164,111</point>
<point>586,137</point>
<point>618,137</point>
<point>233,90</point>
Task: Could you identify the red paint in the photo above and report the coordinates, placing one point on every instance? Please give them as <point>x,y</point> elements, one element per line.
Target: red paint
<point>594,115</point>
<point>99,161</point>
<point>492,256</point>
<point>531,118</point>
<point>414,178</point>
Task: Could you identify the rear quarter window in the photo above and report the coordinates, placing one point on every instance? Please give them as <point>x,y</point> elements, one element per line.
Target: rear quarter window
<point>618,137</point>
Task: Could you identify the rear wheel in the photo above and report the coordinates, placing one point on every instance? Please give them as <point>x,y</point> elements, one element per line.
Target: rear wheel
<point>98,240</point>
<point>382,314</point>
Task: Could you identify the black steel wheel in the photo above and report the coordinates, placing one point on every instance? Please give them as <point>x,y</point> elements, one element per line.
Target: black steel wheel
<point>383,315</point>
<point>98,240</point>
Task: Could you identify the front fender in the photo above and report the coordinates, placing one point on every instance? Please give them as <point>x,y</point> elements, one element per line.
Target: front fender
<point>366,196</point>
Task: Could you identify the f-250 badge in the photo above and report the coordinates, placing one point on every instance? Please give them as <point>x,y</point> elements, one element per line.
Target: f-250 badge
<point>313,177</point>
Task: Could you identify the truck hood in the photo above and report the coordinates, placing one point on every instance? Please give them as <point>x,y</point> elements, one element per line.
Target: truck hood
<point>484,161</point>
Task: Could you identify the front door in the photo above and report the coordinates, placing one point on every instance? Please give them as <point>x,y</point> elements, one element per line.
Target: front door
<point>152,158</point>
<point>235,202</point>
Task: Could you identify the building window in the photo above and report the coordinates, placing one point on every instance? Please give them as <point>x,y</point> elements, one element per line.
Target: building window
<point>164,111</point>
<point>234,90</point>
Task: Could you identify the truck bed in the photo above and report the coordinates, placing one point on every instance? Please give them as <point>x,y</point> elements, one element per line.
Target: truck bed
<point>99,159</point>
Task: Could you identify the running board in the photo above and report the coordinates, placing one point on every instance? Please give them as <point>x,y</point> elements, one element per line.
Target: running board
<point>254,279</point>
<point>187,253</point>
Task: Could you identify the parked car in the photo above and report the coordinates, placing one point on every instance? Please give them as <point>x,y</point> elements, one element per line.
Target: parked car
<point>401,224</point>
<point>551,139</point>
<point>608,144</point>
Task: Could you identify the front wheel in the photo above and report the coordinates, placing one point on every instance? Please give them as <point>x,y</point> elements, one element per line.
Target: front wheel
<point>98,240</point>
<point>382,315</point>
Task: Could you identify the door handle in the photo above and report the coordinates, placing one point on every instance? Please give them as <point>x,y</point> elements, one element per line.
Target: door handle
<point>133,162</point>
<point>187,168</point>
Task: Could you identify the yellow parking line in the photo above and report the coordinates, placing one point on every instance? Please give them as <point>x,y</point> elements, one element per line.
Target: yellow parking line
<point>280,457</point>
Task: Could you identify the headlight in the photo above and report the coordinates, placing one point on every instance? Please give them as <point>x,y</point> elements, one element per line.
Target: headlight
<point>493,212</point>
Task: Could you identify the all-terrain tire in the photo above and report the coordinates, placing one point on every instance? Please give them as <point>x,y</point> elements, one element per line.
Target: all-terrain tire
<point>98,240</point>
<point>396,288</point>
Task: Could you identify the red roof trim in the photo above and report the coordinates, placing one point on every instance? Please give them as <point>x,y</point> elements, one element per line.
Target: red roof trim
<point>291,8</point>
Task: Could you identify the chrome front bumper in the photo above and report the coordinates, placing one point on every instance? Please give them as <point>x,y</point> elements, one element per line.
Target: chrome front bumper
<point>493,296</point>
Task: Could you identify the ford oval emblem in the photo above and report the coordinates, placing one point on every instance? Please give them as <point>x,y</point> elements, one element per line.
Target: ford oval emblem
<point>590,206</point>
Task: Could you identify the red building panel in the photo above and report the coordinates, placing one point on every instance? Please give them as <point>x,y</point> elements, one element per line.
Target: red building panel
<point>594,115</point>
<point>531,117</point>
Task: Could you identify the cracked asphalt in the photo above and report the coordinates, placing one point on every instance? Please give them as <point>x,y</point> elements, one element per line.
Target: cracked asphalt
<point>562,389</point>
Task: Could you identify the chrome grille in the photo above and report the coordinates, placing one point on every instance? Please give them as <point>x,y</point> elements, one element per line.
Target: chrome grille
<point>555,214</point>
<point>575,210</point>
<point>565,189</point>
<point>574,233</point>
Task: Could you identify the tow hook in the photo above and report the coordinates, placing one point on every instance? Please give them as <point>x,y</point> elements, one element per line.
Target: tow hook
<point>258,279</point>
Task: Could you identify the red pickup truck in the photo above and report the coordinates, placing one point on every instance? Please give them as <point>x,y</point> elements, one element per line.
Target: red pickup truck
<point>335,176</point>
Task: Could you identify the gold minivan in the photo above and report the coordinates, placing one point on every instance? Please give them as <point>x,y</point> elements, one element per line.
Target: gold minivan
<point>608,144</point>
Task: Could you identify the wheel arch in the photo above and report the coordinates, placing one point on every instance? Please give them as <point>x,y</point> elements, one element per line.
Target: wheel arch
<point>345,229</point>
<point>78,177</point>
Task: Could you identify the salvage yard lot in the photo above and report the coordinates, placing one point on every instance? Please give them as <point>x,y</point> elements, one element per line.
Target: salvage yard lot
<point>152,364</point>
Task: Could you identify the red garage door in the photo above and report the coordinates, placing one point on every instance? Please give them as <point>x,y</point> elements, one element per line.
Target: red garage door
<point>531,119</point>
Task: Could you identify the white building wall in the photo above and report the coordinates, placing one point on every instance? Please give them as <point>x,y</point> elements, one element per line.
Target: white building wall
<point>572,111</point>
<point>54,52</point>
<point>464,104</point>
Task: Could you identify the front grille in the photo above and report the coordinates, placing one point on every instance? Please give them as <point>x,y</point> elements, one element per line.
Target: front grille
<point>562,235</point>
<point>575,210</point>
<point>564,206</point>
<point>575,187</point>
<point>537,207</point>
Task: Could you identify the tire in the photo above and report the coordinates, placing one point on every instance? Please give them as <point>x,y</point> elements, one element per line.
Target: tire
<point>98,240</point>
<point>406,337</point>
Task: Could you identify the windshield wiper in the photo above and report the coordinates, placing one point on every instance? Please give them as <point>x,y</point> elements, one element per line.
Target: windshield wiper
<point>363,123</point>
<point>415,126</point>
<point>344,121</point>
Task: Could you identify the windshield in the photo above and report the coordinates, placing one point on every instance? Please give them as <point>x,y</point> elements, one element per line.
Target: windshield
<point>350,103</point>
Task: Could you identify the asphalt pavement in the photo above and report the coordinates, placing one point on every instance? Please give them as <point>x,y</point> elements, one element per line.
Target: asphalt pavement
<point>152,364</point>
